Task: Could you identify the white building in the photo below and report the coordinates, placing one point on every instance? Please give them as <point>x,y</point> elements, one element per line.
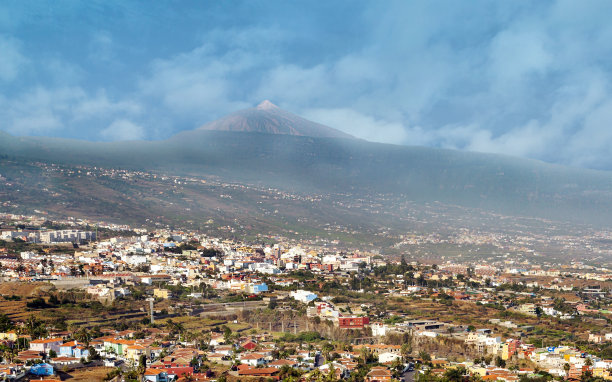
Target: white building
<point>303,296</point>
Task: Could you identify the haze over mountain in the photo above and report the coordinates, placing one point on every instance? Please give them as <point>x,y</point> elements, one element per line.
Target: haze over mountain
<point>269,118</point>
<point>269,147</point>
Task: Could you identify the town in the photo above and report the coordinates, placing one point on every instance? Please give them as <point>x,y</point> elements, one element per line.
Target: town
<point>96,301</point>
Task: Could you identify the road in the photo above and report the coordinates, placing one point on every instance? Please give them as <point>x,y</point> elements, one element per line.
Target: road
<point>408,376</point>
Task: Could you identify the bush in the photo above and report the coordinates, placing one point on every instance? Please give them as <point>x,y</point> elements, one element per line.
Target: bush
<point>302,337</point>
<point>37,303</point>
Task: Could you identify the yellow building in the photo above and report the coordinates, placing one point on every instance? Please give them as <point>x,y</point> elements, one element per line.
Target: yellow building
<point>134,352</point>
<point>477,370</point>
<point>162,293</point>
<point>505,351</point>
<point>9,336</point>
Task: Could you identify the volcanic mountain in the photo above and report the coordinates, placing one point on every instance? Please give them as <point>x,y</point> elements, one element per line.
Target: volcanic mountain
<point>270,119</point>
<point>268,147</point>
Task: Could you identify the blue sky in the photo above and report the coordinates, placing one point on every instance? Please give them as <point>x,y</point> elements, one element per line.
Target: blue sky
<point>531,79</point>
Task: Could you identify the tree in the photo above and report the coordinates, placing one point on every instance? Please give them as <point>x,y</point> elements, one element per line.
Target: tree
<point>93,354</point>
<point>455,374</point>
<point>132,376</point>
<point>406,350</point>
<point>113,373</point>
<point>500,362</point>
<point>227,333</point>
<point>287,372</point>
<point>52,354</point>
<point>82,335</point>
<point>421,280</point>
<point>53,300</point>
<point>424,356</point>
<point>397,367</point>
<point>315,376</point>
<point>194,363</point>
<point>35,327</point>
<point>539,311</point>
<point>142,364</point>
<point>5,323</point>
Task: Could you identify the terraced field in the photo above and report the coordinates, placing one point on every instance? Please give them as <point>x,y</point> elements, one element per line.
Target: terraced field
<point>16,310</point>
<point>23,289</point>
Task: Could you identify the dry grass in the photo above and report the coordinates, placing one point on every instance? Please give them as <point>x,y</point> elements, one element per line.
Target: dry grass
<point>88,374</point>
<point>24,289</point>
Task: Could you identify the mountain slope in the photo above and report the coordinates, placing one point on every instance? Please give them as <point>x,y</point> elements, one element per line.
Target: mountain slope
<point>270,147</point>
<point>494,183</point>
<point>270,119</point>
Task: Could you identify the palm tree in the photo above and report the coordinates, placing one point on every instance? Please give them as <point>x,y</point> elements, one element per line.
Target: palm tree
<point>455,374</point>
<point>315,376</point>
<point>450,330</point>
<point>82,335</point>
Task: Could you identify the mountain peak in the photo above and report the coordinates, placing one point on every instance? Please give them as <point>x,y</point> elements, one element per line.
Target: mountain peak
<point>266,105</point>
<point>268,118</point>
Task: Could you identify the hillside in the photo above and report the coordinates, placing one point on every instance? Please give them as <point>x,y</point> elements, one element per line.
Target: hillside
<point>233,170</point>
<point>494,183</point>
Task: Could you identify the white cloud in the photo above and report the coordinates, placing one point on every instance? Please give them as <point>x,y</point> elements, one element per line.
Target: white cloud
<point>207,81</point>
<point>528,79</point>
<point>123,130</point>
<point>359,125</point>
<point>45,111</point>
<point>100,106</point>
<point>11,59</point>
<point>40,124</point>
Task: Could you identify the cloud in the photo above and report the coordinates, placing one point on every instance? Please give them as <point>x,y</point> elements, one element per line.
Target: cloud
<point>99,105</point>
<point>531,79</point>
<point>45,111</point>
<point>359,125</point>
<point>213,78</point>
<point>101,47</point>
<point>41,124</point>
<point>123,130</point>
<point>11,58</point>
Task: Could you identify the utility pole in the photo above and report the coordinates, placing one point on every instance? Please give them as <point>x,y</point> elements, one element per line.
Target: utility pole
<point>151,309</point>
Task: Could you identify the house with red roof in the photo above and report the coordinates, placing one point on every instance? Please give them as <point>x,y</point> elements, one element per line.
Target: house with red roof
<point>253,359</point>
<point>46,345</point>
<point>248,345</point>
<point>155,375</point>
